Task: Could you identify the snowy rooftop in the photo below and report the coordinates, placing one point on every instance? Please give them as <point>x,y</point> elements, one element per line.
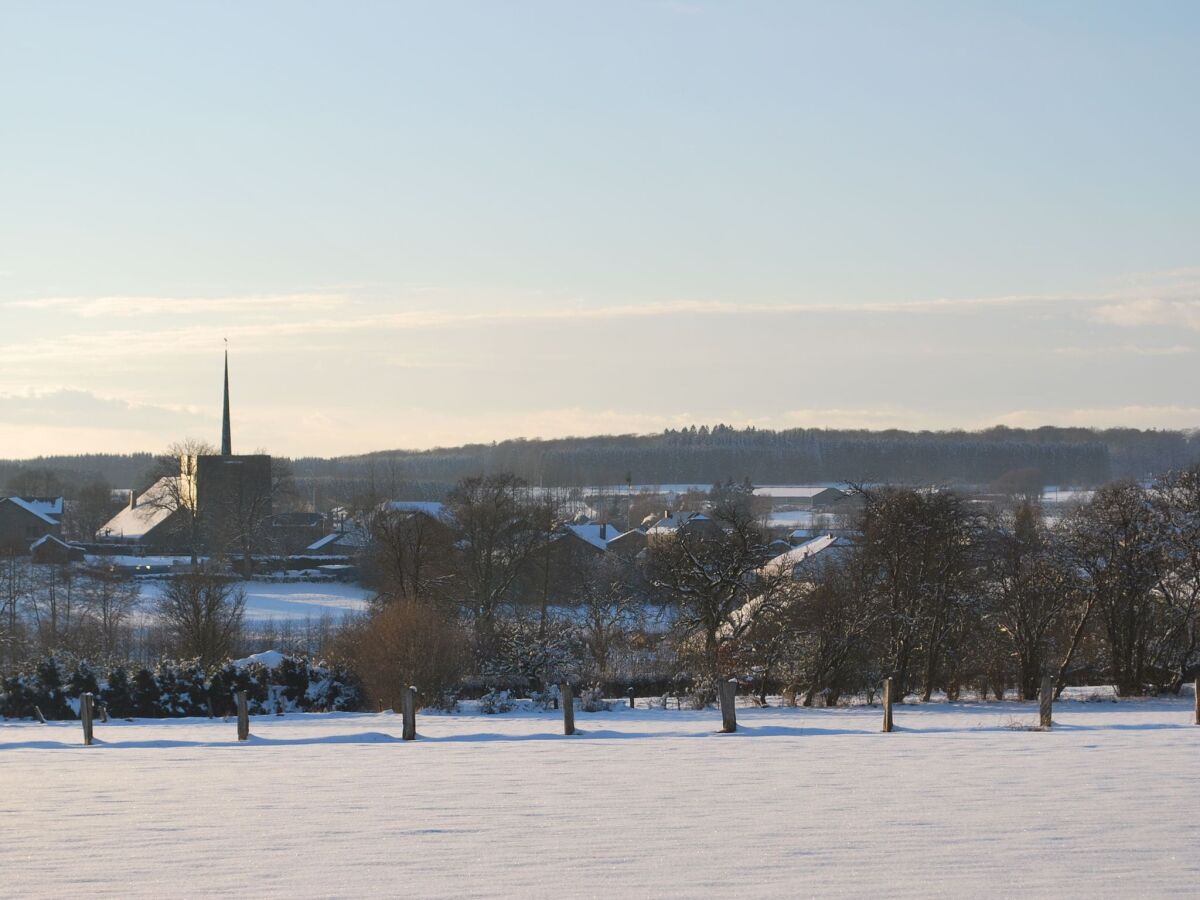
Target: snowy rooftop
<point>794,491</point>
<point>786,563</point>
<point>46,510</point>
<point>427,507</point>
<point>153,507</point>
<point>595,533</point>
<point>676,520</point>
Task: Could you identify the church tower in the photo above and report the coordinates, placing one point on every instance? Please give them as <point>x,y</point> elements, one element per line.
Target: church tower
<point>226,440</point>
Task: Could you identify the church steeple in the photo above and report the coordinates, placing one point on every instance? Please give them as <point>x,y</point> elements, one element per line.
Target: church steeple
<point>226,441</point>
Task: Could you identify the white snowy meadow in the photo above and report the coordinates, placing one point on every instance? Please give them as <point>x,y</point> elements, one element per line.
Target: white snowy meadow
<point>962,800</point>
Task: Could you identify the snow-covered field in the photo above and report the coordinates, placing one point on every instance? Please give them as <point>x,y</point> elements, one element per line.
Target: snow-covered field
<point>294,601</point>
<point>799,802</point>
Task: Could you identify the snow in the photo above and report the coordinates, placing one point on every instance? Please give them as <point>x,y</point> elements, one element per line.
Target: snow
<point>642,803</point>
<point>268,658</point>
<point>287,600</point>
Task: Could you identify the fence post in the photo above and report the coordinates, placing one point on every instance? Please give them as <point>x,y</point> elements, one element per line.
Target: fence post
<point>243,717</point>
<point>887,704</point>
<point>408,706</point>
<point>568,705</point>
<point>1198,700</point>
<point>1046,702</point>
<point>104,713</point>
<point>37,711</point>
<point>629,691</point>
<point>727,693</point>
<point>85,715</point>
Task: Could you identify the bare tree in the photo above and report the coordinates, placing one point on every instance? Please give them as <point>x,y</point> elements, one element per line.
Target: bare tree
<point>203,614</point>
<point>110,600</point>
<point>1030,591</point>
<point>1113,544</point>
<point>176,491</point>
<point>1175,647</point>
<point>920,551</point>
<point>53,605</point>
<point>499,529</point>
<point>16,587</point>
<point>412,554</point>
<point>712,579</point>
<point>611,608</point>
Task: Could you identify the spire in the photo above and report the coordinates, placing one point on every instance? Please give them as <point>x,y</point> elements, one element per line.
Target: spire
<point>226,442</point>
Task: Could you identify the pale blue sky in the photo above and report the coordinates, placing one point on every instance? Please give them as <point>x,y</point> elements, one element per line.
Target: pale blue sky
<point>428,223</point>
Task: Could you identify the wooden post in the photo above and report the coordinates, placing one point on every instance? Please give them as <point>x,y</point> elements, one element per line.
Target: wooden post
<point>568,706</point>
<point>983,690</point>
<point>85,716</point>
<point>1198,700</point>
<point>104,713</point>
<point>408,706</point>
<point>887,704</point>
<point>1046,702</point>
<point>629,691</point>
<point>37,711</point>
<point>243,717</point>
<point>727,694</point>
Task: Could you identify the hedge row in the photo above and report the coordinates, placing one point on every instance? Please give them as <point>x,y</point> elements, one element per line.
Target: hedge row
<point>175,688</point>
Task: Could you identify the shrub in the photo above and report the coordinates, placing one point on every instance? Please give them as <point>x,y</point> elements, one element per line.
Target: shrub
<point>496,702</point>
<point>406,643</point>
<point>592,700</point>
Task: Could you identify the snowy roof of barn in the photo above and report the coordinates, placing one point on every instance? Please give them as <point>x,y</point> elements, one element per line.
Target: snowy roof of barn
<point>44,509</point>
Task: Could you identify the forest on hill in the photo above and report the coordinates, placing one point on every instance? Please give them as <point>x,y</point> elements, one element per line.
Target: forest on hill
<point>703,455</point>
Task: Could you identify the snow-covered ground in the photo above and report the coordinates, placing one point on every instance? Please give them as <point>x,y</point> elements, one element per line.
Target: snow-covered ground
<point>295,601</point>
<point>960,801</point>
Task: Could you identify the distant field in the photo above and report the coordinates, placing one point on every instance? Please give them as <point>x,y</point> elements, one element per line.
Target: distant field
<point>291,601</point>
<point>960,801</point>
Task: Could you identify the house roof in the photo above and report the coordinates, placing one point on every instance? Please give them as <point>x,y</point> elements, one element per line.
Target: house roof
<point>51,539</point>
<point>785,563</point>
<point>794,491</point>
<point>40,507</point>
<point>339,540</point>
<point>677,520</point>
<point>152,508</point>
<point>428,507</point>
<point>598,534</point>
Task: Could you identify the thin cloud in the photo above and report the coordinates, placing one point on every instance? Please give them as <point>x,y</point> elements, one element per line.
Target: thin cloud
<point>192,339</point>
<point>133,306</point>
<point>1151,311</point>
<point>1124,350</point>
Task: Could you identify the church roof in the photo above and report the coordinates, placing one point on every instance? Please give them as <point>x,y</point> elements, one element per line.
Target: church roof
<point>152,507</point>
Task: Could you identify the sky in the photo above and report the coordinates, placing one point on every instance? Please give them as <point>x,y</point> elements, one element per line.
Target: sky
<point>421,224</point>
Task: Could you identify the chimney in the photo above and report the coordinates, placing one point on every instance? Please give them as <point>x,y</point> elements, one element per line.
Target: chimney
<point>604,532</point>
<point>132,498</point>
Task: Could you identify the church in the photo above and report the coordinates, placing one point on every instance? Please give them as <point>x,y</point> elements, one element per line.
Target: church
<point>220,504</point>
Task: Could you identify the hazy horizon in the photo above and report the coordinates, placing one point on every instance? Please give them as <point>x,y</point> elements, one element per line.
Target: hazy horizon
<point>425,226</point>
